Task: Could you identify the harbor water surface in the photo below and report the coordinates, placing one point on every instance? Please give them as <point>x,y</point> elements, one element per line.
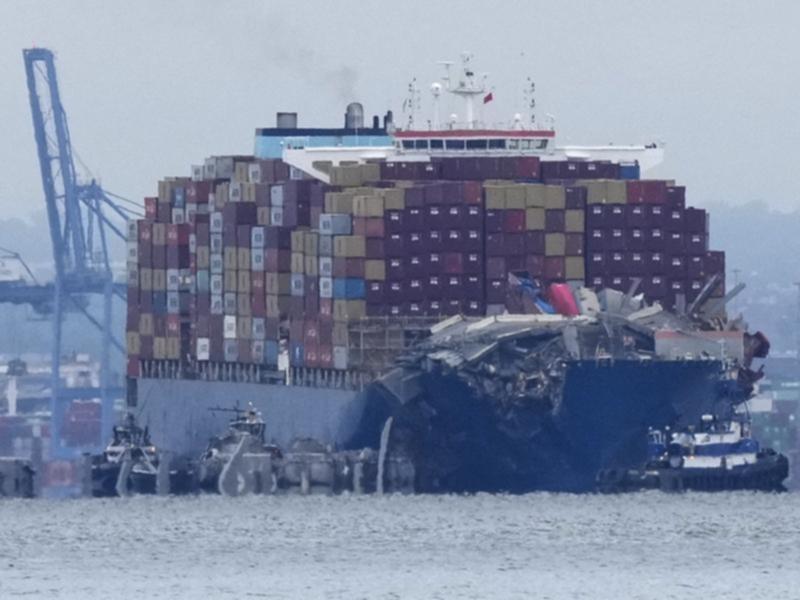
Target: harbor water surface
<point>647,545</point>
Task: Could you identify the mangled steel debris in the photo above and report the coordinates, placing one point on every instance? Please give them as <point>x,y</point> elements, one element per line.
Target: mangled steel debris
<point>543,401</point>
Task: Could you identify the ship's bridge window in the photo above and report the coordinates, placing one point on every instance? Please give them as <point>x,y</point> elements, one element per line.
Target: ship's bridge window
<point>455,144</point>
<point>513,144</point>
<point>437,144</point>
<point>476,144</point>
<point>421,144</point>
<point>497,144</point>
<point>540,144</point>
<point>408,144</point>
<point>524,144</point>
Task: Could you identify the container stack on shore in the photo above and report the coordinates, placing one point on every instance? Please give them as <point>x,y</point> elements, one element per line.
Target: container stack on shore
<point>248,258</point>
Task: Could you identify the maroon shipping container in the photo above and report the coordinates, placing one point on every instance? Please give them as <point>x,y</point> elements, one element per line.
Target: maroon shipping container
<point>150,209</point>
<point>554,267</point>
<point>574,244</point>
<point>527,167</point>
<point>453,263</point>
<point>472,192</point>
<point>646,191</point>
<point>514,221</point>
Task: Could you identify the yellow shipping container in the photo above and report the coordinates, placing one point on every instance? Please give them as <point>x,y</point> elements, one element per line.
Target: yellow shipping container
<point>574,268</point>
<point>534,219</point>
<point>349,246</point>
<point>555,197</point>
<point>574,220</point>
<point>555,244</point>
<point>375,270</point>
<point>535,195</point>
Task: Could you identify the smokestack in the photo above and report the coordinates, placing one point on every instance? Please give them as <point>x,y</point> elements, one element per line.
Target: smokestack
<point>388,120</point>
<point>376,122</point>
<point>354,116</point>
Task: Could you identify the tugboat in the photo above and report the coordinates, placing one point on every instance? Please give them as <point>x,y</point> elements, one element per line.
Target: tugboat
<point>128,442</point>
<point>244,436</point>
<point>721,456</point>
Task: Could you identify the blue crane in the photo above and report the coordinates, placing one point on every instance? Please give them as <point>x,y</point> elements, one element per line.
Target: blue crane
<point>81,218</point>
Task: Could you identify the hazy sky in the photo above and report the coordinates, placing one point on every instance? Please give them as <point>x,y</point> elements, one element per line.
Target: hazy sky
<point>151,87</point>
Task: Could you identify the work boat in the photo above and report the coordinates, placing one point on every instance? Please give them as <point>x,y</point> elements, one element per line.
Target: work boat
<point>720,455</point>
<point>467,135</point>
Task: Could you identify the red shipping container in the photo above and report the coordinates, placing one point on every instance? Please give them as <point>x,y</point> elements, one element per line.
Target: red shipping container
<point>151,209</point>
<point>472,192</point>
<point>325,356</point>
<point>453,263</point>
<point>514,221</point>
<point>574,244</point>
<point>132,369</point>
<point>646,191</point>
<point>527,167</point>
<point>374,227</point>
<point>359,226</point>
<point>554,267</point>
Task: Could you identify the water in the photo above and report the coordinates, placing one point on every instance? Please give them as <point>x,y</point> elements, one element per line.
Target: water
<point>648,545</point>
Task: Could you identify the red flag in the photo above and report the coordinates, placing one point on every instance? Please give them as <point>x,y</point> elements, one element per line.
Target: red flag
<point>488,98</point>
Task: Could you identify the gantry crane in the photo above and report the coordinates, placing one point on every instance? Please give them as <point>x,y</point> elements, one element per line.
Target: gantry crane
<point>81,217</point>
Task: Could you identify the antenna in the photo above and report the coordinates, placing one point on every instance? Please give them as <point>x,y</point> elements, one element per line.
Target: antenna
<point>436,90</point>
<point>412,102</point>
<point>528,93</point>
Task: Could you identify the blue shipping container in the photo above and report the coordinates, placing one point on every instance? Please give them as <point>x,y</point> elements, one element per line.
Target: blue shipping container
<point>271,352</point>
<point>296,354</point>
<point>349,288</point>
<point>629,171</point>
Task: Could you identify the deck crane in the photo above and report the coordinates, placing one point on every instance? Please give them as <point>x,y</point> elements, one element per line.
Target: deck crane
<point>81,218</point>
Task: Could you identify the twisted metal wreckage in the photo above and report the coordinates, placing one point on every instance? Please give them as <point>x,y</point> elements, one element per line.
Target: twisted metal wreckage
<point>544,401</point>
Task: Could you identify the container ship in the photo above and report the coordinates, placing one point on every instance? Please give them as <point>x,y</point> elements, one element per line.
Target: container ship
<point>297,277</point>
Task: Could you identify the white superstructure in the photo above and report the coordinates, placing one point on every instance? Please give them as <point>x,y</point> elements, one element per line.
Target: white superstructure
<point>468,136</point>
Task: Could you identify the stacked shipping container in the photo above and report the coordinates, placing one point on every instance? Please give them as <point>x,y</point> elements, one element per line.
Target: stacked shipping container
<point>244,255</point>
